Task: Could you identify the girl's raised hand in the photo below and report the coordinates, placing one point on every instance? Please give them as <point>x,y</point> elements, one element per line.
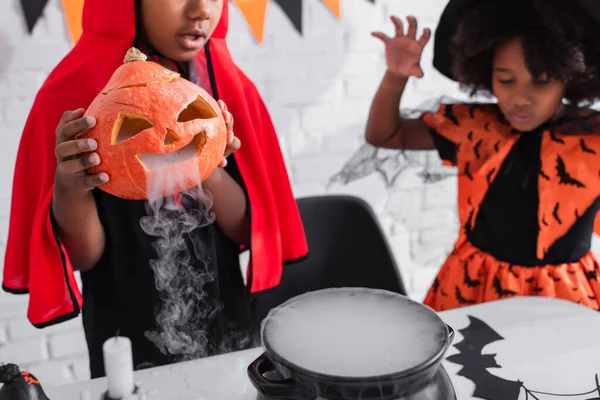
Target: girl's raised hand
<point>403,51</point>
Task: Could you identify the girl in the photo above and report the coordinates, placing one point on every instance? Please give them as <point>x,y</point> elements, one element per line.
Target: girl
<point>529,180</point>
<point>61,221</point>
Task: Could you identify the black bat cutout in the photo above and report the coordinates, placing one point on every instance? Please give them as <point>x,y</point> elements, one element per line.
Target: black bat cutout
<point>475,364</point>
<point>488,386</point>
<point>563,175</point>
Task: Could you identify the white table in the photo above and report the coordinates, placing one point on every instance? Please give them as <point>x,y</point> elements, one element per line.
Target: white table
<point>550,345</point>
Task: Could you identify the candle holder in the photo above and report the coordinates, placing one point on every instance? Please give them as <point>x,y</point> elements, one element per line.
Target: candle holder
<point>137,394</point>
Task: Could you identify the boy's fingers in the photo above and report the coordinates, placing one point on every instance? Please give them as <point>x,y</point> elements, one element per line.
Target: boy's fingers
<point>79,164</point>
<point>235,145</point>
<point>74,128</point>
<point>69,116</point>
<point>89,181</point>
<point>73,147</point>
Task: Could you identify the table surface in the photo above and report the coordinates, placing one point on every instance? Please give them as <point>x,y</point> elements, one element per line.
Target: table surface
<point>546,347</point>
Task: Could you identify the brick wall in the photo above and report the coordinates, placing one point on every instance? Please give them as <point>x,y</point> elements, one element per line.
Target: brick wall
<point>318,88</point>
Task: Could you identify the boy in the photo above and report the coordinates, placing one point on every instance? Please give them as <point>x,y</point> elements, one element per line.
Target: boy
<point>61,221</point>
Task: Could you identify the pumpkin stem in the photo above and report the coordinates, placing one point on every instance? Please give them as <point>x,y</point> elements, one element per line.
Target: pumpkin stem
<point>134,54</point>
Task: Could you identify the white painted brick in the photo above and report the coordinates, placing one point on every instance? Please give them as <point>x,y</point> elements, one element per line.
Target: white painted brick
<point>22,329</point>
<point>13,306</point>
<point>344,143</point>
<point>3,334</point>
<point>370,189</point>
<point>67,344</point>
<point>24,351</point>
<point>422,278</point>
<point>317,169</point>
<point>360,89</point>
<point>441,194</point>
<point>400,245</point>
<point>327,116</point>
<point>284,118</point>
<point>303,143</point>
<point>52,373</point>
<point>15,114</point>
<point>307,90</point>
<point>80,368</point>
<point>313,189</point>
<point>22,85</point>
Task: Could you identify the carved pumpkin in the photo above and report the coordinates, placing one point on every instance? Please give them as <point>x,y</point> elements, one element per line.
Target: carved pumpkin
<point>158,134</point>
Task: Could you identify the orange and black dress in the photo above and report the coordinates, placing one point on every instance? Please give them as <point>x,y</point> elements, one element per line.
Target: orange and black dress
<point>527,203</point>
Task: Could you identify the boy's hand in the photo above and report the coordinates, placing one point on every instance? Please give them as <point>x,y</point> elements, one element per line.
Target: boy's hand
<point>403,51</point>
<point>72,162</point>
<point>233,143</point>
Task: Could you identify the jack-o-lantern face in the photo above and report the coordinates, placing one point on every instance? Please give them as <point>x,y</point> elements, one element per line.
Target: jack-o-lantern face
<point>158,134</point>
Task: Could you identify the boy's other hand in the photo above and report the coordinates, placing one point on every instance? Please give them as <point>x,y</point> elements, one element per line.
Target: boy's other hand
<point>233,143</point>
<point>75,155</point>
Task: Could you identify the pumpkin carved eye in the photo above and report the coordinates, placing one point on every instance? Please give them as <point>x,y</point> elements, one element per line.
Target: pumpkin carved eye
<point>128,125</point>
<point>198,109</point>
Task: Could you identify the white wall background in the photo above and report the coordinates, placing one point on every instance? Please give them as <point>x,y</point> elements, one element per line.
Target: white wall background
<point>318,87</point>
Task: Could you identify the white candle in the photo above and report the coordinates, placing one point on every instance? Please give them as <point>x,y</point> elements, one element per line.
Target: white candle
<point>118,366</point>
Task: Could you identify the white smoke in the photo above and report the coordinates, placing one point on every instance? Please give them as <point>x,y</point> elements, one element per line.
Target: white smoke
<point>182,269</point>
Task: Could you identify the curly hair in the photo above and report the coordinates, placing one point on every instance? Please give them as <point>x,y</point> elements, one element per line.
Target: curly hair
<point>559,40</point>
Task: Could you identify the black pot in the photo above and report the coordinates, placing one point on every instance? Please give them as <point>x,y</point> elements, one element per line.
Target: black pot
<point>276,377</point>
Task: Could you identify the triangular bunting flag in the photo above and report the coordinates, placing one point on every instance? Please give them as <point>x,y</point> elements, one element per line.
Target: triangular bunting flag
<point>293,10</point>
<point>254,12</point>
<point>33,10</point>
<point>73,10</point>
<point>334,6</point>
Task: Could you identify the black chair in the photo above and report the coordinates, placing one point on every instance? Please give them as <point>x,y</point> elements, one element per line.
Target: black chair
<point>347,248</point>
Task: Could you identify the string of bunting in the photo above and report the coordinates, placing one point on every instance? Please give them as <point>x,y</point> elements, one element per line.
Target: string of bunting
<point>253,11</point>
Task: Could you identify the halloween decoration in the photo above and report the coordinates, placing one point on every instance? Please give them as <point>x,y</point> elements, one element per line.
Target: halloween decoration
<point>475,365</point>
<point>155,131</point>
<point>19,385</point>
<point>254,11</point>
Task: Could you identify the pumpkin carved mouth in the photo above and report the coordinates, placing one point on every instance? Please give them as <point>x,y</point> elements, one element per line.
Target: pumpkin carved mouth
<point>190,151</point>
<point>129,125</point>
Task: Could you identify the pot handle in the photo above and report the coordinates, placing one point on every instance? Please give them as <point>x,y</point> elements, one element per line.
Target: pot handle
<point>450,336</point>
<point>284,389</point>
